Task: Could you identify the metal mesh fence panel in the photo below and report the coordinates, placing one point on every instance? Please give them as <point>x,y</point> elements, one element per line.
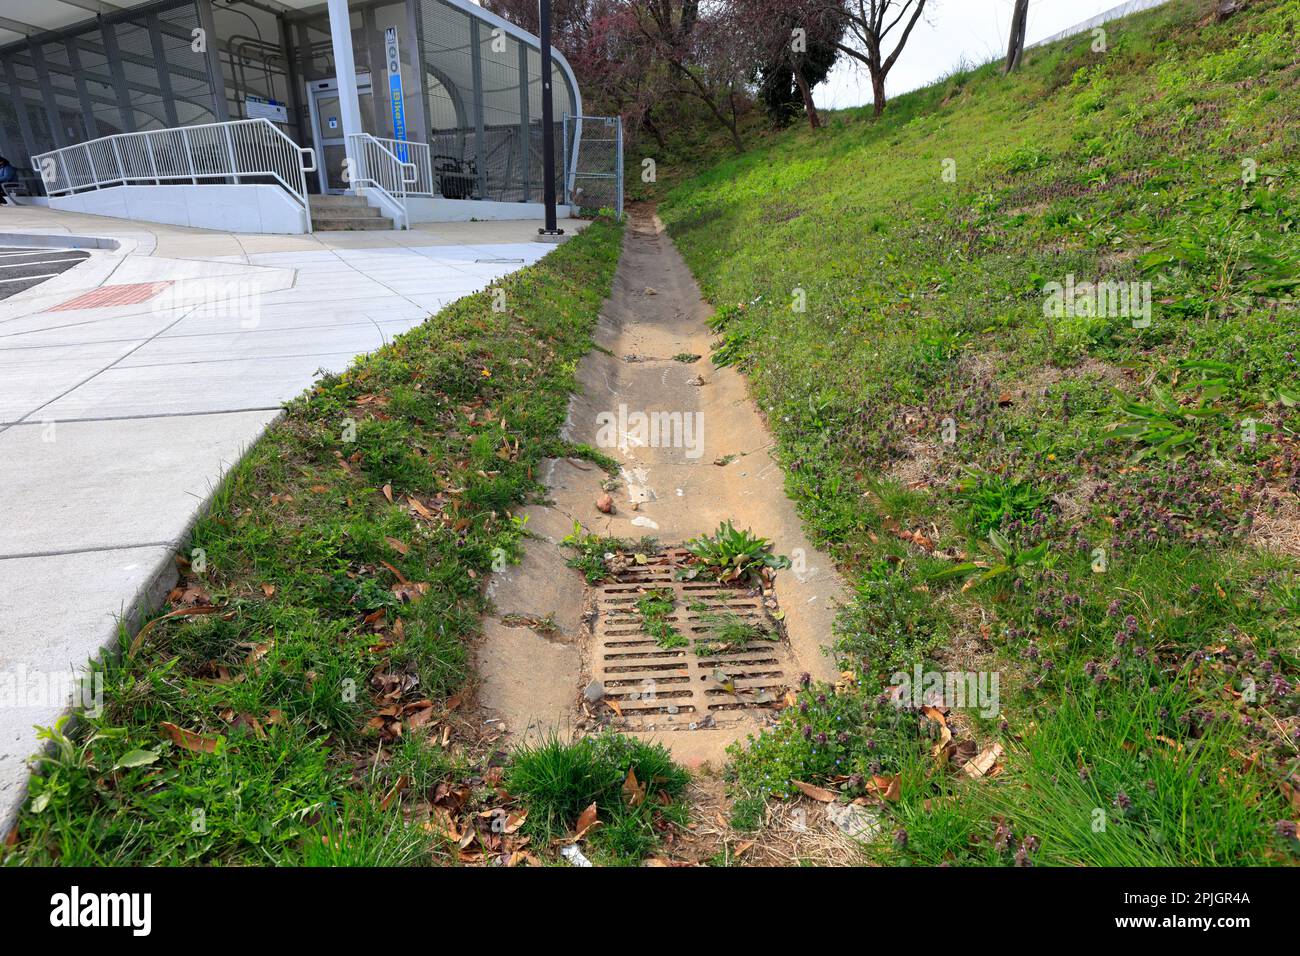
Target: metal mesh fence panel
<point>594,167</point>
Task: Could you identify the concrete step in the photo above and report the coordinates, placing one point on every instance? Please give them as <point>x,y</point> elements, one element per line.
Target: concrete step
<point>325,202</point>
<point>345,212</point>
<point>338,223</point>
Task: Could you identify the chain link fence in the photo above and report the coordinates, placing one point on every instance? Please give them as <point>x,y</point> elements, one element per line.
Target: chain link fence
<point>593,162</point>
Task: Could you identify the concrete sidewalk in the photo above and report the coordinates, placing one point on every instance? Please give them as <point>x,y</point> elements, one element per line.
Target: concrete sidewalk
<point>132,382</point>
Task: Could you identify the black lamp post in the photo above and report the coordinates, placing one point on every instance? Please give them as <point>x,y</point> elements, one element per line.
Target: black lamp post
<point>548,126</point>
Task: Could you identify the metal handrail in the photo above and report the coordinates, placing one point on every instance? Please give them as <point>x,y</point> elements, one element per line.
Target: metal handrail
<point>377,167</point>
<point>237,149</point>
<point>421,156</point>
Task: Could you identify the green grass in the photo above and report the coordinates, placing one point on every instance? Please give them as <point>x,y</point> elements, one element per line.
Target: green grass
<point>1090,483</point>
<point>729,629</point>
<point>636,789</point>
<point>341,564</point>
<point>655,607</point>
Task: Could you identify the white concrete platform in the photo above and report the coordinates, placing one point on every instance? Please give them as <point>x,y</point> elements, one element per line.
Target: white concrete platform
<point>117,422</point>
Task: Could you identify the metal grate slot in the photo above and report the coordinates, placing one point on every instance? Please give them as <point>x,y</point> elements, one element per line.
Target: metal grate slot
<point>690,687</point>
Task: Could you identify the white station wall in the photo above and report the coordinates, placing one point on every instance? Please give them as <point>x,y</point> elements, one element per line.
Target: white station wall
<point>229,208</point>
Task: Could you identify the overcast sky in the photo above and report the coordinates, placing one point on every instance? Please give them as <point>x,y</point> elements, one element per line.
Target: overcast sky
<point>972,29</point>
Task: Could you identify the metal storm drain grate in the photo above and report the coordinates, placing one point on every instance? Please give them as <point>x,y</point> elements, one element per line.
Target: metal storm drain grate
<point>690,687</point>
<point>111,295</point>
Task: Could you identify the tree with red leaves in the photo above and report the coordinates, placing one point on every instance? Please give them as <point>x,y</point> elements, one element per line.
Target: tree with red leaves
<point>640,58</point>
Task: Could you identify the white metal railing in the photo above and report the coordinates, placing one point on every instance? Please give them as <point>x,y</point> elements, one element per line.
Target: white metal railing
<point>238,149</point>
<point>419,155</point>
<point>378,168</point>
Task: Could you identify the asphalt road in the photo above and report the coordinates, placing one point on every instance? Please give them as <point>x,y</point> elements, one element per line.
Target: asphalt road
<point>22,268</point>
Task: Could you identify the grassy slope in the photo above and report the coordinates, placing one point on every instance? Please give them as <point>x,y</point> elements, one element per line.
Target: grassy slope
<point>340,610</point>
<point>1125,695</point>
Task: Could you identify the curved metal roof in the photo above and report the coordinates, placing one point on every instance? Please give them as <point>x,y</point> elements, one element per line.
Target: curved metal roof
<point>20,19</point>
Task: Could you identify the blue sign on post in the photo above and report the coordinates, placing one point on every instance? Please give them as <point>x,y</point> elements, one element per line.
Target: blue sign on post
<point>393,55</point>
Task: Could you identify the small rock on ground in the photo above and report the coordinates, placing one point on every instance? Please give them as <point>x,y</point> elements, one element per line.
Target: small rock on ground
<point>857,821</point>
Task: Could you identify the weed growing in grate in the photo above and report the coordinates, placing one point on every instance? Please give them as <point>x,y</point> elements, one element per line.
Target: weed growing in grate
<point>654,609</point>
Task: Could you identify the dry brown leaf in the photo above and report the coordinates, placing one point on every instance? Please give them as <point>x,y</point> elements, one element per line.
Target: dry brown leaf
<point>402,783</point>
<point>935,714</point>
<point>586,821</point>
<point>410,592</point>
<point>418,714</point>
<point>633,791</point>
<point>188,739</point>
<point>981,765</point>
<point>820,794</point>
<point>179,612</point>
<point>887,788</point>
<point>258,652</point>
<point>399,546</point>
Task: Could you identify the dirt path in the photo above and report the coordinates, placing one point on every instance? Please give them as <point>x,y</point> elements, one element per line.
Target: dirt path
<point>533,681</point>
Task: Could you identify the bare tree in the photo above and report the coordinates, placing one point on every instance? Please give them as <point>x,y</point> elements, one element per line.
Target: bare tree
<point>1016,46</point>
<point>870,23</point>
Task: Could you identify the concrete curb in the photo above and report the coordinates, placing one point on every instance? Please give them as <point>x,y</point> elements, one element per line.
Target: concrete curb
<point>147,599</point>
<point>57,241</point>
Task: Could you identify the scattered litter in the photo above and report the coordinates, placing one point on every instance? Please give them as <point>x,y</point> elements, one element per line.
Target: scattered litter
<point>574,856</point>
<point>594,691</point>
<point>641,521</point>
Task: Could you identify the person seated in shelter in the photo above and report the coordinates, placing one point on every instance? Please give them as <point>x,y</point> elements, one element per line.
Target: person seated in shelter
<point>8,174</point>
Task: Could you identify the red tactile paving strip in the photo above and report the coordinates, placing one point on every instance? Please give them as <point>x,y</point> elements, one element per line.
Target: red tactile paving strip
<point>111,295</point>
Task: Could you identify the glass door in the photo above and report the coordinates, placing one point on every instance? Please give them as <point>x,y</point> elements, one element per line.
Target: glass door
<point>327,127</point>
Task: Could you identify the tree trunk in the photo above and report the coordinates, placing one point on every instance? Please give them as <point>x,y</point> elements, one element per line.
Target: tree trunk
<point>734,126</point>
<point>878,90</point>
<point>653,128</point>
<point>1016,46</point>
<point>809,107</point>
